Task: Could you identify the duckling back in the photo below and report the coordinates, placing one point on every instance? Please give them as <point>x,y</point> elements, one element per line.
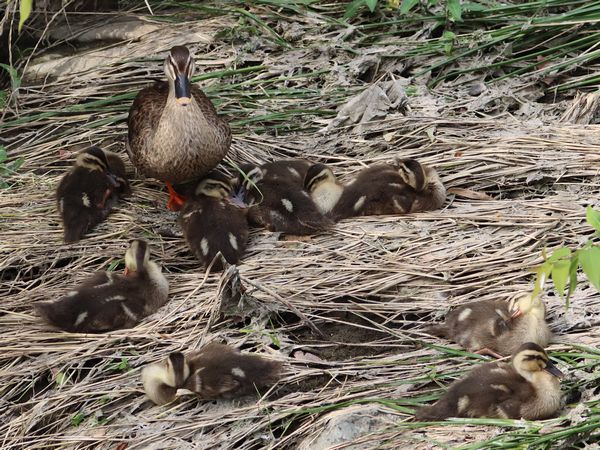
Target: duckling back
<point>88,192</point>
<point>218,371</point>
<point>476,326</point>
<point>281,203</point>
<point>493,390</point>
<point>377,190</point>
<point>213,225</point>
<point>106,302</point>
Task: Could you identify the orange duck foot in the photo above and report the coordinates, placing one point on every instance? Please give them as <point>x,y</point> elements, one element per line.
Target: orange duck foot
<point>176,201</point>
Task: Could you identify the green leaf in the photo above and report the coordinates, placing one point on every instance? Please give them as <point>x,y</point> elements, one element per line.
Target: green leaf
<point>2,99</point>
<point>24,12</point>
<point>113,265</point>
<point>15,80</point>
<point>472,6</point>
<point>593,218</point>
<point>353,8</point>
<point>122,366</point>
<point>560,253</point>
<point>590,263</point>
<point>77,419</point>
<point>454,10</point>
<point>407,5</point>
<point>371,4</point>
<point>560,275</point>
<point>542,274</point>
<point>61,378</point>
<point>572,276</point>
<point>3,154</point>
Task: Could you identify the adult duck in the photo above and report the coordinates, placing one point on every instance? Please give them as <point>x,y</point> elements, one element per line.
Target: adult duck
<point>175,134</point>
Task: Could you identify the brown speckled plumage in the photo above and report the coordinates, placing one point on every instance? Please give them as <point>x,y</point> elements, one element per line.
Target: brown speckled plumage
<point>527,387</point>
<point>172,142</point>
<point>89,190</point>
<point>403,187</point>
<point>212,223</point>
<point>110,301</point>
<point>215,371</point>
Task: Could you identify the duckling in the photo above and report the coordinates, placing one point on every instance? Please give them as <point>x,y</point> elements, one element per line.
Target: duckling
<point>496,327</point>
<point>212,223</point>
<point>527,387</point>
<point>279,203</point>
<point>403,187</point>
<point>292,170</point>
<point>215,371</point>
<point>175,134</point>
<point>87,193</point>
<point>323,186</point>
<point>109,301</point>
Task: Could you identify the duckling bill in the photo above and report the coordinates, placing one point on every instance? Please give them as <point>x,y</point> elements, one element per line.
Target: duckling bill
<point>109,301</point>
<point>213,223</point>
<point>526,387</point>
<point>497,327</point>
<point>88,192</point>
<point>216,371</point>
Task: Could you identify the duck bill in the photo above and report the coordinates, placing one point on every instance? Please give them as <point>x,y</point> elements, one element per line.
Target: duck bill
<point>182,90</point>
<point>552,369</point>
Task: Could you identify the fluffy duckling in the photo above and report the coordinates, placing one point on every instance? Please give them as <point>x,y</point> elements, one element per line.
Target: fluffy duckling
<point>109,301</point>
<point>213,223</point>
<point>497,327</point>
<point>291,170</point>
<point>87,193</point>
<point>527,387</point>
<point>279,203</point>
<point>215,371</point>
<point>323,186</point>
<point>406,186</point>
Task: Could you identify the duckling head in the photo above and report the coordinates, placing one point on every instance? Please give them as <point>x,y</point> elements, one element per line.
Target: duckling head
<point>318,175</point>
<point>250,175</point>
<point>137,256</point>
<point>162,380</point>
<point>531,360</point>
<point>92,158</point>
<point>523,304</point>
<point>413,173</point>
<point>179,67</point>
<point>216,185</point>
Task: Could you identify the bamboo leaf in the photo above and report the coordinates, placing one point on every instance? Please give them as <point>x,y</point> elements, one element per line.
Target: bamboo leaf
<point>407,5</point>
<point>560,253</point>
<point>24,12</point>
<point>454,10</point>
<point>590,263</point>
<point>371,4</point>
<point>560,275</point>
<point>593,218</point>
<point>572,276</point>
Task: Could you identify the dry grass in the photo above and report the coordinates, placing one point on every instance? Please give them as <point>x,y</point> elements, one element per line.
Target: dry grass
<point>368,286</point>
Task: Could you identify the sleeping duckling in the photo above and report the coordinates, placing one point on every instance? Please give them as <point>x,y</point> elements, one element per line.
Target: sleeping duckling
<point>87,193</point>
<point>323,186</point>
<point>497,328</point>
<point>406,186</point>
<point>280,203</point>
<point>212,223</point>
<point>109,301</point>
<point>527,387</point>
<point>292,170</point>
<point>215,371</point>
